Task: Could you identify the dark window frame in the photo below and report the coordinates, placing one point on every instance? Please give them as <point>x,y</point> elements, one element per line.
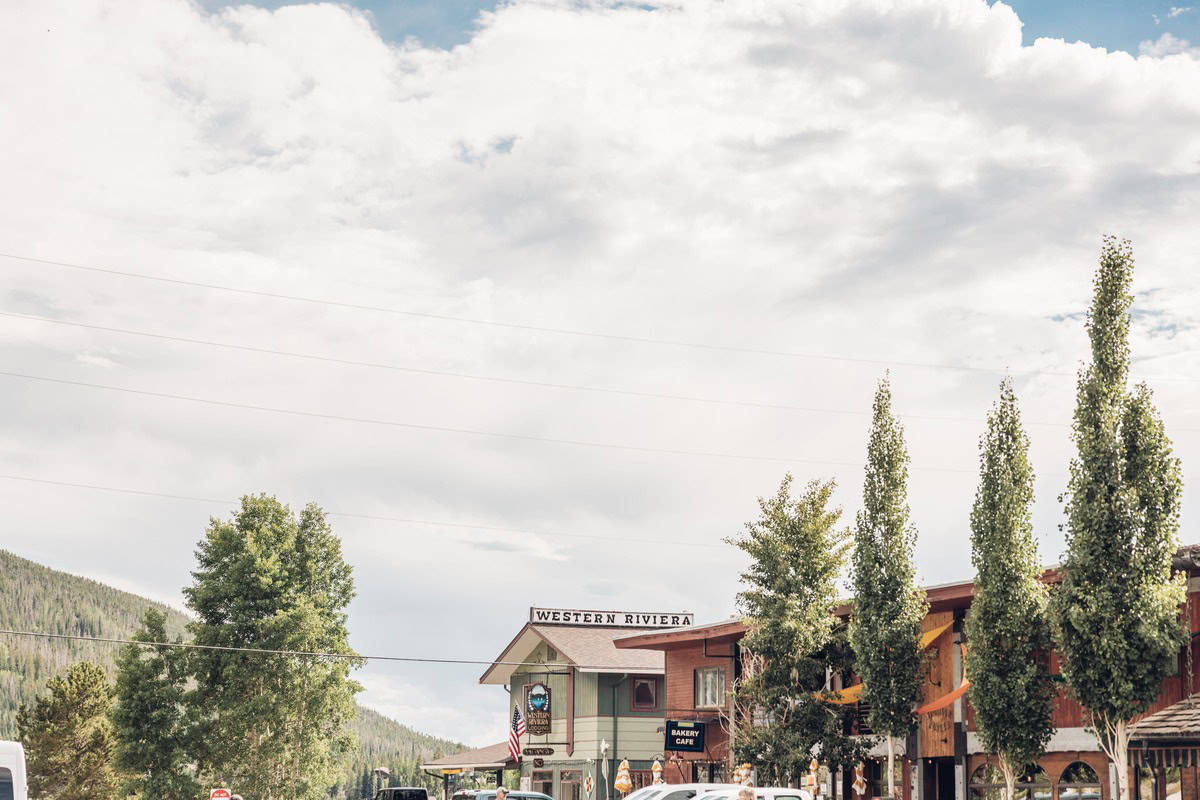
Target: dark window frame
<point>652,680</point>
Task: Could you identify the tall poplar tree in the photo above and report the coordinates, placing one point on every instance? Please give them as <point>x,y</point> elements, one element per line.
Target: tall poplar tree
<point>885,626</point>
<point>1008,631</point>
<point>1117,611</point>
<point>790,590</point>
<point>149,715</point>
<point>271,726</point>
<point>68,737</point>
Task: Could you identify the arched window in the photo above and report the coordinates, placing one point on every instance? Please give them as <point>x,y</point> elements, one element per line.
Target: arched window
<point>1079,782</point>
<point>987,783</point>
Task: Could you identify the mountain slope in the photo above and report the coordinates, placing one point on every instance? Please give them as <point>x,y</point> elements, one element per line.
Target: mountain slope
<point>37,598</point>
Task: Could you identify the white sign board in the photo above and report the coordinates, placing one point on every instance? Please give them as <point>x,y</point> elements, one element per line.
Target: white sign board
<point>611,619</point>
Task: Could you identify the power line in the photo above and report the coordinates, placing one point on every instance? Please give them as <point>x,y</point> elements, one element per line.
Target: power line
<point>492,378</point>
<point>546,329</point>
<point>297,653</point>
<point>369,517</point>
<point>448,429</point>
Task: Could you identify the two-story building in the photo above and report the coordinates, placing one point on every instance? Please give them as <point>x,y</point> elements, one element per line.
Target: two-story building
<point>701,664</point>
<point>587,705</point>
<point>942,758</point>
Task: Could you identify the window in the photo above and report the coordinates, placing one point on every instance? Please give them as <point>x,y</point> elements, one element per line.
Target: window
<point>1079,782</point>
<point>645,694</point>
<point>680,794</point>
<point>551,653</point>
<point>542,781</point>
<point>710,687</point>
<point>987,783</point>
<point>6,784</point>
<point>569,782</point>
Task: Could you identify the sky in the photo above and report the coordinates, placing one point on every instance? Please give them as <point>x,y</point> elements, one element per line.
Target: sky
<point>592,278</point>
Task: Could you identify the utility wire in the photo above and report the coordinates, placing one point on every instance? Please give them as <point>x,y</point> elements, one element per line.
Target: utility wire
<point>447,429</point>
<point>300,653</point>
<point>492,378</point>
<point>370,517</point>
<point>546,329</point>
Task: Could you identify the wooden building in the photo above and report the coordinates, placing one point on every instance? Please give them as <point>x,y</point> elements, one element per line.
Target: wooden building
<point>942,759</point>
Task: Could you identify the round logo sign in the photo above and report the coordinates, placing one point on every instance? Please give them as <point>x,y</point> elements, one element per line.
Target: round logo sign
<point>539,697</point>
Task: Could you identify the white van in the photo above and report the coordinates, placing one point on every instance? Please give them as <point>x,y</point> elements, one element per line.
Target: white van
<point>12,772</point>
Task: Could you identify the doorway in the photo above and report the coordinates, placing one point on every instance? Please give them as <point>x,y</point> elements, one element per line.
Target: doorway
<point>938,779</point>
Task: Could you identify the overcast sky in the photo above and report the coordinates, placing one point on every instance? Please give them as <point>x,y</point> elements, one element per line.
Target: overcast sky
<point>811,191</point>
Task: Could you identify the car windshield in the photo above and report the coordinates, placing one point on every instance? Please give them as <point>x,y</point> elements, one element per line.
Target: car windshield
<point>402,794</point>
<point>717,796</point>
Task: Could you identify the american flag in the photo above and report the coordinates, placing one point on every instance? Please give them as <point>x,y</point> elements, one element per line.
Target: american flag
<point>515,733</point>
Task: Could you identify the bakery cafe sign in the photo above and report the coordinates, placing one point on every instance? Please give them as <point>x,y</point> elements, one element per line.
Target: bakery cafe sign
<point>610,619</point>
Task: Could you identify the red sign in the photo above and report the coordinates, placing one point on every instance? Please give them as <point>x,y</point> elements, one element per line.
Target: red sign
<point>219,794</point>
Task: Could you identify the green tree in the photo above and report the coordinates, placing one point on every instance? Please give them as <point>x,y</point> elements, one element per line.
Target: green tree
<point>1116,612</point>
<point>273,726</point>
<point>148,715</point>
<point>797,554</point>
<point>68,737</point>
<point>1008,632</point>
<point>885,626</point>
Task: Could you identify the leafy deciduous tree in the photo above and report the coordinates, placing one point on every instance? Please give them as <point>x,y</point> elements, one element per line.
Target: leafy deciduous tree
<point>272,726</point>
<point>68,737</point>
<point>796,556</point>
<point>1116,612</point>
<point>1008,632</point>
<point>885,626</point>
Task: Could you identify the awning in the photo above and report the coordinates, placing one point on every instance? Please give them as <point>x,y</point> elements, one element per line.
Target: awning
<point>485,759</point>
<point>1164,757</point>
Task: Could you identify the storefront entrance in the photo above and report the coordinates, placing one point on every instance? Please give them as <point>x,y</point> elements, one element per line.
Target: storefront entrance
<point>938,777</point>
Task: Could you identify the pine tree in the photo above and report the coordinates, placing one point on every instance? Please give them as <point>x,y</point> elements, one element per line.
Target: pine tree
<point>1008,632</point>
<point>796,554</point>
<point>68,737</point>
<point>273,726</point>
<point>885,626</point>
<point>148,716</point>
<point>1117,611</point>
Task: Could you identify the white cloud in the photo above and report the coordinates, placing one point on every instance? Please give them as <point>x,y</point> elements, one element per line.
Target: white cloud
<point>1167,45</point>
<point>867,178</point>
<point>1177,11</point>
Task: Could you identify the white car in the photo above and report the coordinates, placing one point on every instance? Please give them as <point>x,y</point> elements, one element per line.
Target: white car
<point>12,772</point>
<point>679,791</point>
<point>760,793</point>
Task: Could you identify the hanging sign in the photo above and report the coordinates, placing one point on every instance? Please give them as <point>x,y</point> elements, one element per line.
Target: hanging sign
<point>685,736</point>
<point>537,709</point>
<point>539,751</point>
<point>220,794</point>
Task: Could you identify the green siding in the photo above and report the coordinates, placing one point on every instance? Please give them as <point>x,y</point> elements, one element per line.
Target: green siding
<point>624,696</point>
<point>586,700</point>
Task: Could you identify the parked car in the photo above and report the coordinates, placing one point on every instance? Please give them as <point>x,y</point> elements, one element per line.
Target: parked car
<point>680,791</point>
<point>760,793</point>
<point>490,794</point>
<point>12,772</point>
<point>403,793</point>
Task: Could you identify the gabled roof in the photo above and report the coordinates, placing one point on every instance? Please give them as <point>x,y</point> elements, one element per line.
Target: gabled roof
<point>586,648</point>
<point>494,756</point>
<point>732,628</point>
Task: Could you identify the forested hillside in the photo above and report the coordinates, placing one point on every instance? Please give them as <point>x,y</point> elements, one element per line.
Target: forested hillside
<point>35,598</point>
